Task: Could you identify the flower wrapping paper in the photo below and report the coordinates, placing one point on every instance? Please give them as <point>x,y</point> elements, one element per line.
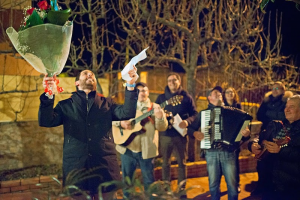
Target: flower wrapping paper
<point>46,47</point>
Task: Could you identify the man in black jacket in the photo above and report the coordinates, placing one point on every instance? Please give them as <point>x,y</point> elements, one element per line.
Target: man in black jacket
<point>272,107</point>
<point>87,118</point>
<point>283,162</point>
<point>170,139</point>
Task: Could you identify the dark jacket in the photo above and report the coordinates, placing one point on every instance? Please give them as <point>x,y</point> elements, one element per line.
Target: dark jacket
<point>286,163</point>
<point>186,110</point>
<point>234,105</point>
<point>88,143</point>
<point>272,108</point>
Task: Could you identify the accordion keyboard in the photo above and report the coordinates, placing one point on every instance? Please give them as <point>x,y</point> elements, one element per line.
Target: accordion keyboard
<point>205,127</point>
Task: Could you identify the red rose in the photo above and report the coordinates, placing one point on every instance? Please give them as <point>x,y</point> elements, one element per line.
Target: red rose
<point>29,11</point>
<point>43,5</point>
<point>60,89</point>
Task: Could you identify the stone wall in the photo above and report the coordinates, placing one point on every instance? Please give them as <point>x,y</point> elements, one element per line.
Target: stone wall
<point>24,144</point>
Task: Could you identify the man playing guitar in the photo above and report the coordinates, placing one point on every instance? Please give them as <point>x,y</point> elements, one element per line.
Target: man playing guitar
<point>144,147</point>
<point>283,159</point>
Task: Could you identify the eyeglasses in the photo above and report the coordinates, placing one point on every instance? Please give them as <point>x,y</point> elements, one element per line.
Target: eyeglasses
<point>229,92</point>
<point>143,90</point>
<point>172,80</point>
<point>276,88</point>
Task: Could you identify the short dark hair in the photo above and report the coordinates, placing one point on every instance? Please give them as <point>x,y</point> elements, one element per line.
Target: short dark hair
<point>77,76</point>
<point>141,84</point>
<point>175,74</point>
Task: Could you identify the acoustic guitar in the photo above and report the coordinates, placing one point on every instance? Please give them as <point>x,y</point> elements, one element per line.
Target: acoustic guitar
<point>264,152</point>
<point>125,136</point>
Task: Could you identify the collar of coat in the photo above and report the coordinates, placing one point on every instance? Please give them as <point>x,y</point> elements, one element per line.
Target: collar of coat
<point>268,96</point>
<point>169,94</point>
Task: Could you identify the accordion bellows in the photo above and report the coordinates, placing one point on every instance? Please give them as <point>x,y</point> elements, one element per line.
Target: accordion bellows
<point>222,125</point>
<point>46,47</point>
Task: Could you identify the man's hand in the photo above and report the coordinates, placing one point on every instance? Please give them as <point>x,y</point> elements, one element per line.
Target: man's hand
<point>158,112</point>
<point>133,75</point>
<point>126,124</point>
<point>198,135</point>
<point>49,81</point>
<point>245,132</point>
<point>255,148</point>
<point>272,147</point>
<point>183,124</point>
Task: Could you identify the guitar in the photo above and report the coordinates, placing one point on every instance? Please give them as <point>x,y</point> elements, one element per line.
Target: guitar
<point>264,152</point>
<point>125,136</point>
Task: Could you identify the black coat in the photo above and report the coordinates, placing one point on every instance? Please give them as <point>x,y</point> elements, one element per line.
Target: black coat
<point>272,108</point>
<point>88,143</point>
<point>286,163</point>
<point>186,110</point>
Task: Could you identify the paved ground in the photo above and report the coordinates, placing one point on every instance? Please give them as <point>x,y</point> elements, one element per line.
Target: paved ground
<point>247,182</point>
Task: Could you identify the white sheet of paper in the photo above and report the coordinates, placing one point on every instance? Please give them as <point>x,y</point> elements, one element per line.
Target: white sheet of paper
<point>177,120</point>
<point>141,56</point>
<point>239,136</point>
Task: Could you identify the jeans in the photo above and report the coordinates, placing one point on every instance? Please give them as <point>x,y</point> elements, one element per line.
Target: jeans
<point>221,162</point>
<point>167,145</point>
<point>129,163</point>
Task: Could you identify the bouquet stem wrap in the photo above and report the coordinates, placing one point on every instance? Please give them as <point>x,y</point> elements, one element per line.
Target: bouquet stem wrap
<point>46,47</point>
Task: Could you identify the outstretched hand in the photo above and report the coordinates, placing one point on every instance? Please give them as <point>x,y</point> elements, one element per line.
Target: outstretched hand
<point>49,81</point>
<point>133,75</point>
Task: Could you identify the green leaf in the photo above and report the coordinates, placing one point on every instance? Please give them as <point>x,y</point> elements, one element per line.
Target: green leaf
<point>263,4</point>
<point>34,20</point>
<point>58,17</point>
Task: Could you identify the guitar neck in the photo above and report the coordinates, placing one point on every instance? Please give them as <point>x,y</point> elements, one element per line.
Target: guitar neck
<point>149,113</point>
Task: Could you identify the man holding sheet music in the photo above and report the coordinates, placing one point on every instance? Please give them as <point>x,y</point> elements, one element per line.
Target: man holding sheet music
<point>220,158</point>
<point>171,139</point>
<point>88,145</point>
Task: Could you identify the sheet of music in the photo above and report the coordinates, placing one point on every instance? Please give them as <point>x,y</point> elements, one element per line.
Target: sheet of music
<point>177,120</point>
<point>239,136</point>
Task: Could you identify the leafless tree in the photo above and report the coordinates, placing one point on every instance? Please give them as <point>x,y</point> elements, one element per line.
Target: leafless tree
<point>205,37</point>
<point>98,46</point>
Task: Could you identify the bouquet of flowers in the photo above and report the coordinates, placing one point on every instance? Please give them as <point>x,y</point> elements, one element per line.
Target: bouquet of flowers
<point>44,39</point>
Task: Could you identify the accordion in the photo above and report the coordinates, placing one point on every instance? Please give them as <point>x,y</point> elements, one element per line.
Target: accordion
<point>222,125</point>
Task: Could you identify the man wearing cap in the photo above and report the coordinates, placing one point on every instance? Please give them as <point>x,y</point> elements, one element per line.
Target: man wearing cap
<point>144,147</point>
<point>220,159</point>
<point>171,139</point>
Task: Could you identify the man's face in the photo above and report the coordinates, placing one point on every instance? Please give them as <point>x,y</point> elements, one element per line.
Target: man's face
<point>143,93</point>
<point>86,80</point>
<point>277,90</point>
<point>215,98</point>
<point>292,110</point>
<point>173,83</point>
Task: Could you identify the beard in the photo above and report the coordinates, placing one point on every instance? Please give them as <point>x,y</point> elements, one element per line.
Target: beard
<point>85,84</point>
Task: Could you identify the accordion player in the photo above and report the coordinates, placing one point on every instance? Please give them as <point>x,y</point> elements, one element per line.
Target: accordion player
<point>222,125</point>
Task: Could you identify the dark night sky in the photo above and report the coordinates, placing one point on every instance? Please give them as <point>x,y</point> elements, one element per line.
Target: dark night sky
<point>290,27</point>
